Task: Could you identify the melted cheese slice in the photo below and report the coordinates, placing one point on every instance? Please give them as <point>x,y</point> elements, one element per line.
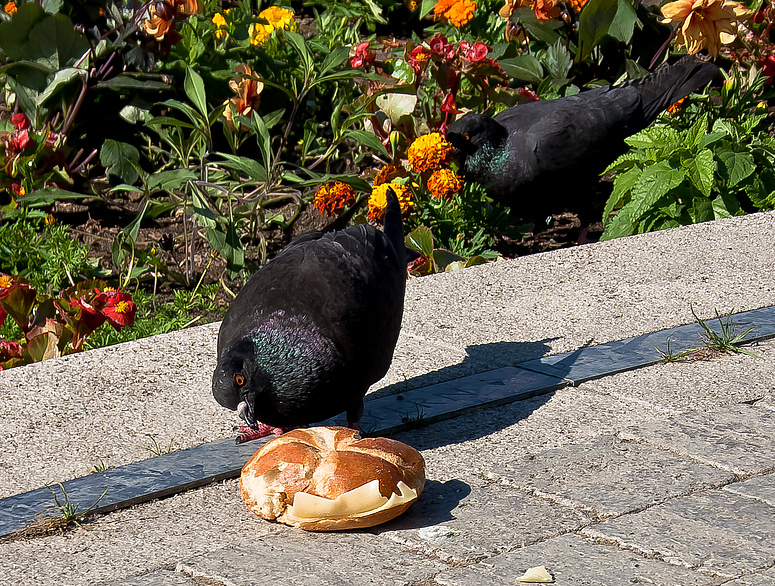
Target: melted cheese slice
<point>537,574</point>
<point>364,500</point>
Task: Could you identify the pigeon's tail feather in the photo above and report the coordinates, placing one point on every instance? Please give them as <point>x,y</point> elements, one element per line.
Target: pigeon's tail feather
<point>670,83</point>
<point>394,226</point>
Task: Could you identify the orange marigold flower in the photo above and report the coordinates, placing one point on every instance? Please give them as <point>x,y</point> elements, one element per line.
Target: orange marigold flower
<point>429,152</point>
<point>577,5</point>
<point>544,9</point>
<point>333,197</point>
<point>704,23</point>
<point>444,184</point>
<point>388,173</point>
<point>189,7</point>
<point>457,12</point>
<point>675,108</point>
<point>10,8</point>
<point>5,281</point>
<point>378,200</point>
<point>248,93</point>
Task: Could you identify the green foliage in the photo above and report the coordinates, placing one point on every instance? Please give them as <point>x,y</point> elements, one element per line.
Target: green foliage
<point>70,513</point>
<point>45,254</point>
<point>726,339</point>
<point>676,177</point>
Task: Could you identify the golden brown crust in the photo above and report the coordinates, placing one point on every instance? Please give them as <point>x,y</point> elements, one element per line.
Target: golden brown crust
<point>328,462</point>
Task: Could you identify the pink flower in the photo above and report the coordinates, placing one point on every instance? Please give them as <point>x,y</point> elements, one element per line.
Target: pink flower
<point>474,53</point>
<point>363,57</point>
<point>20,121</point>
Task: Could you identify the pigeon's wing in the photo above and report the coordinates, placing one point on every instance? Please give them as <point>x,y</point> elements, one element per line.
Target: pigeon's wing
<point>555,135</point>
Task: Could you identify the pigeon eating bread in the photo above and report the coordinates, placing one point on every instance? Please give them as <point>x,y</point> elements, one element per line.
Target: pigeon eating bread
<point>329,479</point>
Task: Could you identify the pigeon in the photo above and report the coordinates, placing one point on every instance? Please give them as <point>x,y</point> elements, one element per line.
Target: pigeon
<point>545,157</point>
<point>314,328</point>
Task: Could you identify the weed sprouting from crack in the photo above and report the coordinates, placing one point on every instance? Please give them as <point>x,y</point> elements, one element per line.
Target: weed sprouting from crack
<point>726,340</point>
<point>158,449</point>
<point>670,355</point>
<point>69,512</point>
<point>416,421</point>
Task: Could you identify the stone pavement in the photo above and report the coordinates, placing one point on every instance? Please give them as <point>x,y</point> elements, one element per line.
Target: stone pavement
<point>660,475</point>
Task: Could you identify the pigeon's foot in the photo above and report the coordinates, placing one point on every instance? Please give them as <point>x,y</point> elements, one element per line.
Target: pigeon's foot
<point>247,433</point>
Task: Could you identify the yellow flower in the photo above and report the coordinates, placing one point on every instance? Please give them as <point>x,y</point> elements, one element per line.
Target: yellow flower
<point>704,23</point>
<point>444,184</point>
<point>10,8</point>
<point>457,12</point>
<point>220,22</point>
<point>428,152</point>
<point>50,220</point>
<point>278,18</point>
<point>5,281</point>
<point>248,94</point>
<point>378,200</point>
<point>333,197</point>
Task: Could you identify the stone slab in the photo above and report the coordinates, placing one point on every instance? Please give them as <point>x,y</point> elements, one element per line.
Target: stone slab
<point>317,558</point>
<point>574,561</point>
<point>606,476</point>
<point>765,578</point>
<point>738,438</point>
<point>714,531</point>
<point>461,521</point>
<point>160,578</point>
<point>761,488</point>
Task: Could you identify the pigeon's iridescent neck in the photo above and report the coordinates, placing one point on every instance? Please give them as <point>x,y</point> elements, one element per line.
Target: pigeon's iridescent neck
<point>489,160</point>
<point>290,348</point>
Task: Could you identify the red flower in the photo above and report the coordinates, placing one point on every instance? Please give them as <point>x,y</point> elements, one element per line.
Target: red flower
<point>3,315</point>
<point>20,121</point>
<point>758,18</point>
<point>419,58</point>
<point>442,47</point>
<point>474,53</point>
<point>118,308</point>
<point>528,93</point>
<point>363,57</point>
<point>22,141</point>
<point>768,67</point>
<point>448,105</point>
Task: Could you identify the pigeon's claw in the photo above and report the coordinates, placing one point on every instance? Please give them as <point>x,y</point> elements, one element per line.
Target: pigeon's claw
<point>245,433</point>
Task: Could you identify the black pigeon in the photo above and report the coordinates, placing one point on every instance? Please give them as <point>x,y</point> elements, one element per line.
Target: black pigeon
<point>314,328</point>
<point>546,157</point>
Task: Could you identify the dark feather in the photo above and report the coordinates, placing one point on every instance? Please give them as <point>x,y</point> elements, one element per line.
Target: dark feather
<point>313,329</point>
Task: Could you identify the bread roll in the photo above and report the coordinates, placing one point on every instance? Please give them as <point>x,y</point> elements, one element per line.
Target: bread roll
<point>328,479</point>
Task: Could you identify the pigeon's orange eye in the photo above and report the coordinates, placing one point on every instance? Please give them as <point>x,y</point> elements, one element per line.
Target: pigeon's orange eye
<point>239,380</point>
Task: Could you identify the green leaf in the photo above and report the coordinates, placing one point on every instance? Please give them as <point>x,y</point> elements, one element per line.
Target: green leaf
<point>229,245</point>
<point>195,90</point>
<point>623,24</point>
<point>14,33</point>
<point>262,138</point>
<point>202,212</point>
<point>654,182</point>
<point>427,7</point>
<point>421,240</point>
<point>48,195</point>
<point>540,30</point>
<point>126,82</point>
<point>169,180</point>
<point>54,42</point>
<point>369,139</point>
<point>734,166</point>
<point>558,62</point>
<point>300,46</point>
<point>61,79</point>
<point>701,210</point>
<point>700,170</point>
<point>594,22</point>
<point>249,167</point>
<point>623,185</point>
<point>443,257</point>
<point>523,67</point>
<point>121,160</point>
<point>51,6</point>
<point>726,205</point>
<point>333,60</point>
<point>620,225</point>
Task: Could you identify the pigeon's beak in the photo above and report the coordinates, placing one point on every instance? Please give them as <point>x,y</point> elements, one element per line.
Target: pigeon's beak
<point>245,411</point>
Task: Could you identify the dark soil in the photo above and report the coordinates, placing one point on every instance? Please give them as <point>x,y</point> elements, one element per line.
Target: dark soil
<point>98,223</point>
